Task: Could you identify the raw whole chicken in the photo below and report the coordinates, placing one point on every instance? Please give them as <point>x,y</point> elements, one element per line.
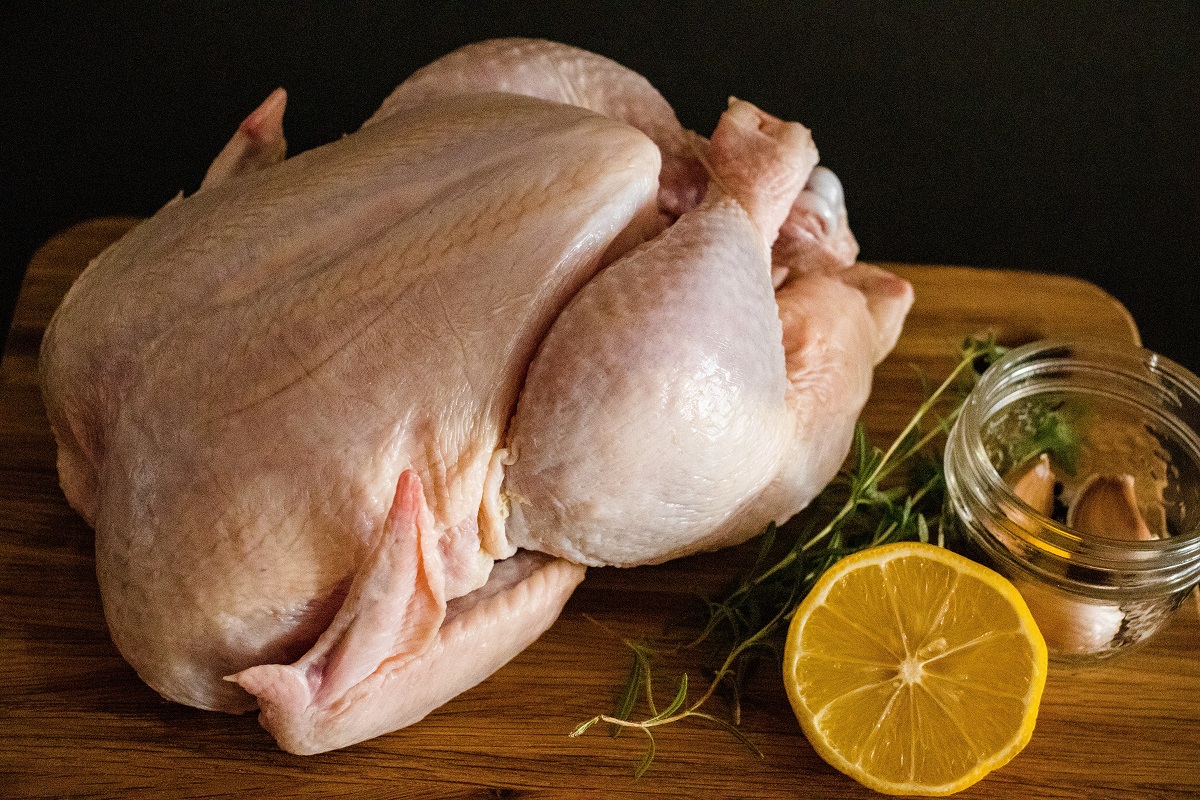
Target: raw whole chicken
<point>350,425</point>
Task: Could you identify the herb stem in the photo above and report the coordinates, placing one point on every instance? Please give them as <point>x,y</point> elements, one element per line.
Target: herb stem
<point>925,407</point>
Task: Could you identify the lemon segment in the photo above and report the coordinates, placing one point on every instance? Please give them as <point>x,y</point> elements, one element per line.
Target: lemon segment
<point>914,670</point>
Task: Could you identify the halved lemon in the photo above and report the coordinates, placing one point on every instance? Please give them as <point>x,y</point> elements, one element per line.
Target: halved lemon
<point>914,670</point>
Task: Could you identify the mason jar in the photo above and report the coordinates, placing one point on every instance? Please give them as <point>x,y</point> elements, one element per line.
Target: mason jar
<point>1101,411</point>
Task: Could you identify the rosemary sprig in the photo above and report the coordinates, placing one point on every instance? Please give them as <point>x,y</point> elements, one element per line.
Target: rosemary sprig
<point>879,496</point>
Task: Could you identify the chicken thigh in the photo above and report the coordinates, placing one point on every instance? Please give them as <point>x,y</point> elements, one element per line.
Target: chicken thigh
<point>350,424</point>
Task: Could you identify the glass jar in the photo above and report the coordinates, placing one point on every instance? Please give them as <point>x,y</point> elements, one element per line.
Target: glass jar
<point>1114,411</point>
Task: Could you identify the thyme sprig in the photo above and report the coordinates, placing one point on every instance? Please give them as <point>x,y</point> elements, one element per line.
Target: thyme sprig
<point>879,496</point>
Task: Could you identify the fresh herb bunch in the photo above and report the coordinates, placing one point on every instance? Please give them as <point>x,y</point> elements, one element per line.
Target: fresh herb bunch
<point>879,496</point>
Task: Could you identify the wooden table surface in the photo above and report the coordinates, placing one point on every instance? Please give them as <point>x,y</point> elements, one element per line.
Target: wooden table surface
<point>75,721</point>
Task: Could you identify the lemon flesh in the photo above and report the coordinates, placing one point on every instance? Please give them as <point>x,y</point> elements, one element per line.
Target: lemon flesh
<point>914,670</point>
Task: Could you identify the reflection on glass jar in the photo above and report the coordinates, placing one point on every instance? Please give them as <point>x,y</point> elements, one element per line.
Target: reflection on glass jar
<point>1074,470</point>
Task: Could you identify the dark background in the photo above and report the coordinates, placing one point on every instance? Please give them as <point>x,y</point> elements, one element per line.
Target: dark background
<point>1056,137</point>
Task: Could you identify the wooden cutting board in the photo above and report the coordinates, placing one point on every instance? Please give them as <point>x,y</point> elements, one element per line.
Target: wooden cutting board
<point>75,721</point>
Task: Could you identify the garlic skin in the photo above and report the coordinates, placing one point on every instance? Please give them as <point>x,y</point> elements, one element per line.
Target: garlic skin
<point>1035,485</point>
<point>1070,625</point>
<point>1106,506</point>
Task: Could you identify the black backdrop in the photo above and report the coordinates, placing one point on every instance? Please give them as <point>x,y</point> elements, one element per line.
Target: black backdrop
<point>1057,137</point>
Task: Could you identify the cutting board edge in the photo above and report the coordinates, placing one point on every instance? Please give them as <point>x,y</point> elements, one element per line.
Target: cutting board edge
<point>1071,284</point>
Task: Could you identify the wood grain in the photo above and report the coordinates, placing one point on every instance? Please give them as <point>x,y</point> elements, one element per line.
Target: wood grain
<point>75,721</point>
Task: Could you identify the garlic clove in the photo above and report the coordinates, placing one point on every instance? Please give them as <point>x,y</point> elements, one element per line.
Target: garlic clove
<point>1107,506</point>
<point>1035,485</point>
<point>1072,626</point>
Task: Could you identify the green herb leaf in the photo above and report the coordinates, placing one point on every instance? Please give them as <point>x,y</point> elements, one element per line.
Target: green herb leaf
<point>1053,434</point>
<point>635,684</point>
<point>647,757</point>
<point>677,703</point>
